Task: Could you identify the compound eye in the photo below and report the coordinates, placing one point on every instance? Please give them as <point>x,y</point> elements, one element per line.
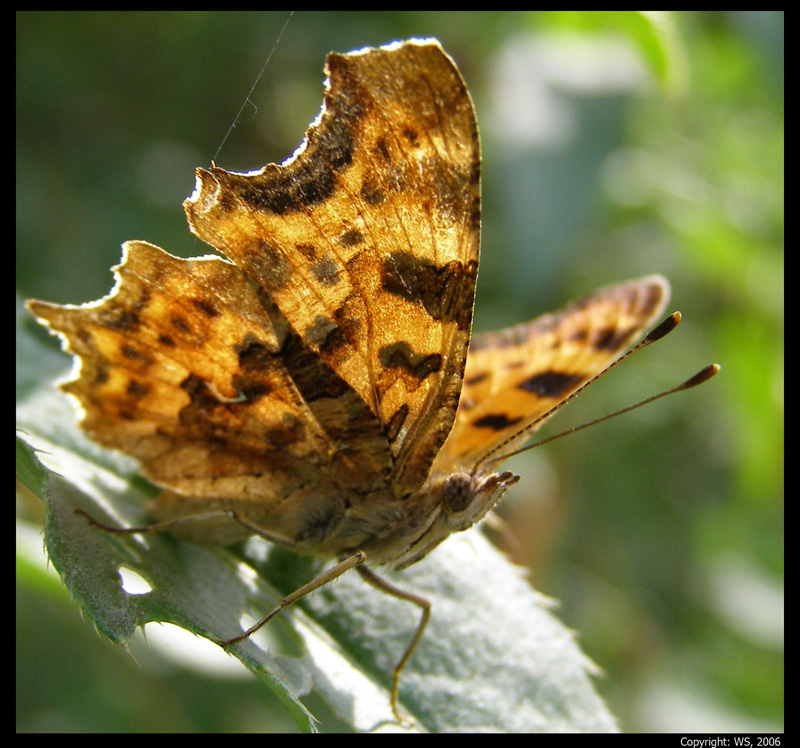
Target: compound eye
<point>458,493</point>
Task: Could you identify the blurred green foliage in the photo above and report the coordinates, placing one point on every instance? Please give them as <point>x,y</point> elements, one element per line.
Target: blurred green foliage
<point>615,144</point>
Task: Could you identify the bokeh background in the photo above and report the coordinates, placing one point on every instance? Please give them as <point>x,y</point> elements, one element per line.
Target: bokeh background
<point>614,145</point>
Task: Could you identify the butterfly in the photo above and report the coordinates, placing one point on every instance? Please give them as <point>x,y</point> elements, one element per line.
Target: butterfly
<point>318,383</point>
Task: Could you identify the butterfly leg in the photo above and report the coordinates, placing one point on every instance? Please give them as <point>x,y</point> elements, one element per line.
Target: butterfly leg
<point>319,581</point>
<point>421,602</point>
<point>170,524</point>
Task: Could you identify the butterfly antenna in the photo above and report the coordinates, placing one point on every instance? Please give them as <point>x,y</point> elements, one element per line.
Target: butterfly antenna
<point>248,99</point>
<point>666,327</point>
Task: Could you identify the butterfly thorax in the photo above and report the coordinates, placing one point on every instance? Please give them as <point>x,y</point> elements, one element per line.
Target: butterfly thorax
<point>399,532</point>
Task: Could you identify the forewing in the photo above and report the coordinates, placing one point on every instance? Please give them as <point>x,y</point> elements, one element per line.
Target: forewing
<point>367,238</point>
<point>516,375</point>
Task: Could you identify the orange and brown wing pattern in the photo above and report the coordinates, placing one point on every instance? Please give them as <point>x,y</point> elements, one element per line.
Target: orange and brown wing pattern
<point>516,375</point>
<point>367,239</point>
<point>326,356</point>
<point>183,367</point>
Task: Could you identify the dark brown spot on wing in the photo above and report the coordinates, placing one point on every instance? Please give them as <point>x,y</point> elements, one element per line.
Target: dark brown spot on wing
<point>125,320</point>
<point>309,373</point>
<point>351,237</point>
<point>612,339</point>
<point>372,192</point>
<point>268,265</point>
<point>326,271</point>
<point>550,383</point>
<point>412,137</point>
<point>495,421</point>
<point>332,337</point>
<point>255,362</point>
<point>180,324</point>
<point>137,390</point>
<point>135,355</point>
<point>404,361</point>
<point>311,180</point>
<point>382,149</point>
<point>307,251</point>
<point>205,306</point>
<point>442,291</point>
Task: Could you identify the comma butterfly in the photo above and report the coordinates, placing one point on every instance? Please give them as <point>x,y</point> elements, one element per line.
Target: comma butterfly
<point>318,384</point>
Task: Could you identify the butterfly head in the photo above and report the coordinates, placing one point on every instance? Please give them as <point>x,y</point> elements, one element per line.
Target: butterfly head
<point>466,498</point>
<point>462,500</point>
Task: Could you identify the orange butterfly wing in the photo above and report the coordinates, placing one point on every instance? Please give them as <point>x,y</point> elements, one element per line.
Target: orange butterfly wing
<point>516,375</point>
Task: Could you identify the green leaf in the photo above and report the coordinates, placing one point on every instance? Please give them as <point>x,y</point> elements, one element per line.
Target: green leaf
<point>653,33</point>
<point>493,658</point>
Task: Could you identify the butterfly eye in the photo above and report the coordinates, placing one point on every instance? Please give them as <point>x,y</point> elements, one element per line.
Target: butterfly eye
<point>458,493</point>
